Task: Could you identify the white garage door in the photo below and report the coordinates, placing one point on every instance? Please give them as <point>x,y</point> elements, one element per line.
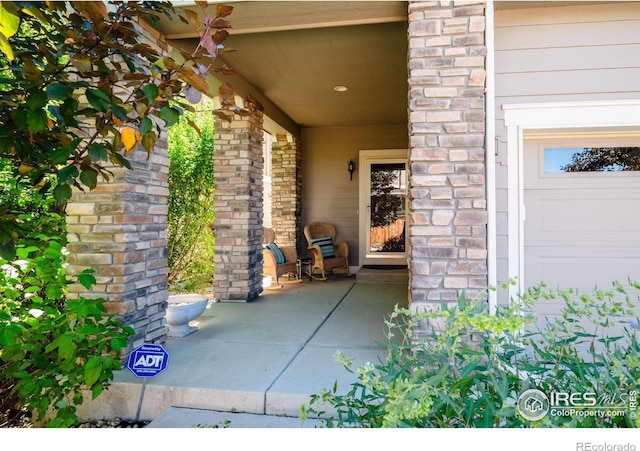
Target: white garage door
<point>581,228</point>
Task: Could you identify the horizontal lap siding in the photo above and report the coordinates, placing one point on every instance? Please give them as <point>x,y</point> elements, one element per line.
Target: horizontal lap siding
<point>557,54</point>
<point>567,54</point>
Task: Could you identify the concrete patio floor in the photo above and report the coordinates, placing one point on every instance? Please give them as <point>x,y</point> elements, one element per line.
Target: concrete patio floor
<point>253,364</point>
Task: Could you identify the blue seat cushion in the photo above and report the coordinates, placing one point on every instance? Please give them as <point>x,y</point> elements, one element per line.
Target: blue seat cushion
<point>326,246</point>
<point>273,247</point>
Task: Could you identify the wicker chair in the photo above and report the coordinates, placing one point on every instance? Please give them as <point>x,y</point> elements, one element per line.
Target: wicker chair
<point>271,266</point>
<point>328,256</point>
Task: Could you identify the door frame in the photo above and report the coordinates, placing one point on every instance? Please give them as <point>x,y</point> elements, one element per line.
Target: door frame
<point>366,159</point>
<point>598,118</point>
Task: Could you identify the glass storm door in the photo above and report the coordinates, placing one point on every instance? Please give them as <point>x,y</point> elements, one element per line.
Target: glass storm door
<point>384,225</point>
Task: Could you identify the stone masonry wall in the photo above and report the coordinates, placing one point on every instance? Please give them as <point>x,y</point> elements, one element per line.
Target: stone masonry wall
<point>238,202</point>
<point>447,199</point>
<point>119,230</point>
<point>286,197</point>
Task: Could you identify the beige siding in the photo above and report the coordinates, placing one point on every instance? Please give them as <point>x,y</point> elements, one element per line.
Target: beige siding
<point>559,54</point>
<point>328,194</point>
<point>567,53</point>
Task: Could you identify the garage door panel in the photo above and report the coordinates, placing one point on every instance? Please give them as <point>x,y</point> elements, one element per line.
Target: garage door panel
<point>581,230</point>
<point>567,222</point>
<point>580,268</point>
<point>584,217</point>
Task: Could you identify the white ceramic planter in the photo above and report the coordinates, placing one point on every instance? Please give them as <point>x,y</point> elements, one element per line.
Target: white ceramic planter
<point>182,309</point>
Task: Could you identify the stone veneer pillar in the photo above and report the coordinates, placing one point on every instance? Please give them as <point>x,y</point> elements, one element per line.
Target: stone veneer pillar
<point>119,230</point>
<point>286,187</point>
<point>238,203</point>
<point>447,197</point>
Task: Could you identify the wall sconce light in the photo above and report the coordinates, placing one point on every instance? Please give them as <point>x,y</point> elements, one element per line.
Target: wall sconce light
<point>352,168</point>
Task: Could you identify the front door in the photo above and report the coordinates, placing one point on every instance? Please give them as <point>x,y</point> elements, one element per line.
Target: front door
<point>383,190</point>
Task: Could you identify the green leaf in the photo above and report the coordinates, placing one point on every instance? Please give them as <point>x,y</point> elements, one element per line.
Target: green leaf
<point>68,110</point>
<point>58,91</point>
<point>149,141</point>
<point>37,100</point>
<point>96,390</point>
<point>92,371</point>
<point>53,291</point>
<point>145,126</point>
<point>52,253</point>
<point>37,120</point>
<point>119,112</point>
<point>7,337</point>
<point>98,99</point>
<point>20,118</point>
<point>151,92</point>
<point>66,173</point>
<point>55,245</point>
<point>57,342</point>
<point>47,382</point>
<point>120,160</point>
<point>89,177</point>
<point>93,362</point>
<point>86,279</point>
<point>97,152</point>
<point>129,63</point>
<point>5,47</point>
<point>62,193</point>
<point>60,155</point>
<point>7,252</point>
<point>67,349</point>
<point>169,115</point>
<point>27,388</point>
<point>9,22</point>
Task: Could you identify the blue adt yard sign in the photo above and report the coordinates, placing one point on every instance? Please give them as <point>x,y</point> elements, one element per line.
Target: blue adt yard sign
<point>148,360</point>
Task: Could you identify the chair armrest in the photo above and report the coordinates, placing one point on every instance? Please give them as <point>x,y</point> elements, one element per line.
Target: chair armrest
<point>316,252</point>
<point>269,258</point>
<point>342,249</point>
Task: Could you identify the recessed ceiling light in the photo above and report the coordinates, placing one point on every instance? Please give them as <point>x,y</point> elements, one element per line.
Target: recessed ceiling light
<point>340,88</point>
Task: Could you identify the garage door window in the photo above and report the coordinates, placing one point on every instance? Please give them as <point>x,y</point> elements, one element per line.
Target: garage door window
<point>591,159</point>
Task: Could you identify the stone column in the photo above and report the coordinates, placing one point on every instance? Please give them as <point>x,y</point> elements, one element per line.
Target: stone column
<point>119,229</point>
<point>448,215</point>
<point>286,186</point>
<point>238,203</point>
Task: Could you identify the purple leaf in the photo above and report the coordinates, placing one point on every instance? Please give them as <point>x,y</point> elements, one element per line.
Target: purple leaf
<point>200,69</point>
<point>207,43</point>
<point>191,94</point>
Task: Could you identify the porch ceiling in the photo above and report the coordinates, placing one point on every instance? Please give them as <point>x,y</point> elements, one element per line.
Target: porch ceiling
<point>295,53</point>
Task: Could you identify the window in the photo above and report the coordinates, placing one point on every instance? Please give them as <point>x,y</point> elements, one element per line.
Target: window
<point>591,159</point>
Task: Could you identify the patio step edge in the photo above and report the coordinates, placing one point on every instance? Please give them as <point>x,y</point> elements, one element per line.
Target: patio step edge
<point>394,276</point>
<point>183,417</point>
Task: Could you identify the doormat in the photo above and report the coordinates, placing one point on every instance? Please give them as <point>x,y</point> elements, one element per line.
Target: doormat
<point>384,267</point>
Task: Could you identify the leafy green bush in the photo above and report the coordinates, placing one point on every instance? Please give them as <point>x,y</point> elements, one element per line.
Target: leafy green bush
<point>52,348</point>
<point>191,195</point>
<point>81,88</point>
<point>472,367</point>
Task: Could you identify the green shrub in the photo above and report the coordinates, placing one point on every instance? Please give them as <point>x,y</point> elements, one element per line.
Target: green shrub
<point>191,210</point>
<point>472,366</point>
<point>52,348</point>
